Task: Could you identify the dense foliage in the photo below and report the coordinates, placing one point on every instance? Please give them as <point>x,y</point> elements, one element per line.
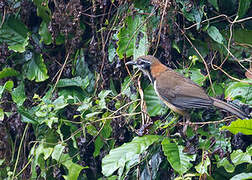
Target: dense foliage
<point>71,109</point>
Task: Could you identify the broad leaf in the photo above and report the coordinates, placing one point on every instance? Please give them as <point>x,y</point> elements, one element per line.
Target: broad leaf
<point>118,157</point>
<point>195,75</point>
<point>7,86</point>
<point>43,10</point>
<point>237,157</point>
<point>26,116</point>
<point>57,151</point>
<point>18,94</point>
<point>15,34</point>
<point>76,81</point>
<point>214,3</point>
<point>154,105</point>
<point>179,161</point>
<point>242,126</point>
<point>244,5</point>
<point>215,34</point>
<point>8,72</point>
<point>203,165</point>
<point>239,90</point>
<point>36,69</point>
<point>46,36</point>
<point>73,168</point>
<point>132,38</point>
<point>242,176</point>
<point>191,12</point>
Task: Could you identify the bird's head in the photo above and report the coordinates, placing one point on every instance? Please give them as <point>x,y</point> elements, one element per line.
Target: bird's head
<point>144,63</point>
<point>147,64</point>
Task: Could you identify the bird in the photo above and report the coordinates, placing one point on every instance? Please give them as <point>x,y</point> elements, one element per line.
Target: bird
<point>179,93</point>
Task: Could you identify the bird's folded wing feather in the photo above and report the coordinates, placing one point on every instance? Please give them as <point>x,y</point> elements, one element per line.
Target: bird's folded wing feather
<point>180,91</point>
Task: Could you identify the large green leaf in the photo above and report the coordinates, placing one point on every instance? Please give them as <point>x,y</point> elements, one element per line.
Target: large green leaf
<point>36,69</point>
<point>7,86</point>
<point>244,5</point>
<point>132,38</point>
<point>76,81</point>
<point>43,10</point>
<point>179,161</point>
<point>81,69</point>
<point>242,126</point>
<point>215,34</point>
<point>46,36</point>
<point>237,157</point>
<point>73,168</point>
<point>240,90</point>
<point>18,94</point>
<point>15,34</point>
<point>214,3</point>
<point>194,74</point>
<point>118,157</point>
<point>191,12</point>
<point>242,176</point>
<point>8,72</point>
<point>154,105</point>
<point>203,165</point>
<point>27,116</point>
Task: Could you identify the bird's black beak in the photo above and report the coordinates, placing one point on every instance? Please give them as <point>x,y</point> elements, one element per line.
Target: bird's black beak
<point>131,63</point>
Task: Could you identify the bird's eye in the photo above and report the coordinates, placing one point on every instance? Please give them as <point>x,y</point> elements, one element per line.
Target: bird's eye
<point>143,64</point>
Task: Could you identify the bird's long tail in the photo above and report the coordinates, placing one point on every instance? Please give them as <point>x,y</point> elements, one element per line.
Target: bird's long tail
<point>230,108</point>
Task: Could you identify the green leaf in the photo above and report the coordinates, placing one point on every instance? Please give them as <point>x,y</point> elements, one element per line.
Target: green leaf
<point>237,157</point>
<point>43,10</point>
<point>59,103</point>
<point>76,81</point>
<point>203,165</point>
<point>1,114</point>
<point>15,34</point>
<point>249,150</point>
<point>8,85</point>
<point>36,69</point>
<point>242,126</point>
<point>111,52</point>
<point>132,38</point>
<point>215,34</point>
<point>191,12</point>
<point>98,145</point>
<point>214,3</point>
<point>179,161</point>
<point>242,36</point>
<point>242,176</point>
<point>26,116</point>
<point>73,168</point>
<point>104,134</point>
<point>244,5</point>
<point>154,105</point>
<point>118,157</point>
<point>82,70</point>
<point>57,151</point>
<point>102,95</point>
<point>8,72</point>
<point>46,36</point>
<point>194,74</point>
<point>239,90</point>
<point>18,94</point>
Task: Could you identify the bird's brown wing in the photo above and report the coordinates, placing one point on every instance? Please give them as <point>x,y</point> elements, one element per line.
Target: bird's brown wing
<point>180,91</point>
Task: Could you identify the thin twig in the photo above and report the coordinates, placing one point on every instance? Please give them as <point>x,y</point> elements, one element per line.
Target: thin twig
<point>61,70</point>
<point>19,150</point>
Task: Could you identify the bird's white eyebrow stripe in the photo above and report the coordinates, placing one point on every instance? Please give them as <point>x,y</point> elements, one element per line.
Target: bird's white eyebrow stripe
<point>145,61</point>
